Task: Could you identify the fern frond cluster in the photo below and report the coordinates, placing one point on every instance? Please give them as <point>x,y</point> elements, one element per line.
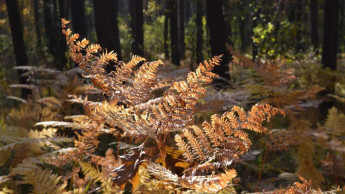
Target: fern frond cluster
<point>204,183</point>
<point>141,112</point>
<point>224,136</point>
<point>145,107</point>
<point>42,180</point>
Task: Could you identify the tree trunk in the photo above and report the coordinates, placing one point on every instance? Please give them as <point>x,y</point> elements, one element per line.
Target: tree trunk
<point>181,28</point>
<point>37,24</point>
<point>329,49</point>
<point>107,26</point>
<point>61,50</point>
<point>174,33</point>
<point>199,31</point>
<point>298,23</point>
<point>314,23</point>
<point>166,33</point>
<point>136,11</point>
<point>242,27</point>
<point>18,42</point>
<point>216,26</point>
<point>255,50</point>
<point>330,35</point>
<point>78,17</point>
<point>341,27</point>
<point>49,26</point>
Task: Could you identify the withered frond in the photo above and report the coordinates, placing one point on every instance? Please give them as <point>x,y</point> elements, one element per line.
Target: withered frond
<point>202,183</point>
<point>225,137</point>
<point>41,180</point>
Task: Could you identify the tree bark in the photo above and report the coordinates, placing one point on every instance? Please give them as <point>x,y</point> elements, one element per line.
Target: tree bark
<point>314,23</point>
<point>181,28</point>
<point>37,23</point>
<point>329,49</point>
<point>49,26</point>
<point>78,17</point>
<point>166,33</point>
<point>342,26</point>
<point>18,42</point>
<point>298,23</point>
<point>136,11</point>
<point>199,31</point>
<point>174,33</point>
<point>216,26</point>
<point>61,58</point>
<point>330,35</point>
<point>107,26</point>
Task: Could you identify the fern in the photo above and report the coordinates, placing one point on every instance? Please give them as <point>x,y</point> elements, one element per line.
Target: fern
<point>133,107</point>
<point>106,182</point>
<point>43,181</point>
<point>224,136</point>
<point>205,183</point>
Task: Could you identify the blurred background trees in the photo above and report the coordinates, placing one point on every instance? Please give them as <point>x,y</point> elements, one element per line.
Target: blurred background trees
<point>191,30</point>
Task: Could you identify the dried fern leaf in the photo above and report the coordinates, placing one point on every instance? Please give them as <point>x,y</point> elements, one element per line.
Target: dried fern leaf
<point>225,137</point>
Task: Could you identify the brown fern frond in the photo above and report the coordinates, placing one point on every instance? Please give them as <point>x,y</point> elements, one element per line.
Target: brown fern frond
<point>184,148</point>
<point>224,137</point>
<point>196,147</point>
<point>43,181</point>
<point>202,139</point>
<point>210,183</point>
<point>201,183</point>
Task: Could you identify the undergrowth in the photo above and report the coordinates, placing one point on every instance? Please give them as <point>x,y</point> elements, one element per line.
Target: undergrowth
<point>128,126</point>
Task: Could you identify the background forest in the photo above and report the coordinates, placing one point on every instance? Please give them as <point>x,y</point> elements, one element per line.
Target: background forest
<point>172,96</point>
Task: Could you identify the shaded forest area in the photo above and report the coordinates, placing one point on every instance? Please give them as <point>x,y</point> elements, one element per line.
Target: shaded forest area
<point>172,96</point>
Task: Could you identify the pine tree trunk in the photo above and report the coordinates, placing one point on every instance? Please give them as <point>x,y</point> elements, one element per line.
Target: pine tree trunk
<point>329,49</point>
<point>174,33</point>
<point>216,26</point>
<point>37,24</point>
<point>342,26</point>
<point>137,22</point>
<point>78,17</point>
<point>199,31</point>
<point>49,26</point>
<point>107,26</point>
<point>61,50</point>
<point>314,23</point>
<point>255,50</point>
<point>18,42</point>
<point>181,28</point>
<point>166,33</point>
<point>330,36</point>
<point>298,23</point>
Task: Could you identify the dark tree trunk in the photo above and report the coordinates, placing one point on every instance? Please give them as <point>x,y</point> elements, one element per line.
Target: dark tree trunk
<point>330,35</point>
<point>314,23</point>
<point>242,27</point>
<point>174,33</point>
<point>61,59</point>
<point>188,8</point>
<point>37,24</point>
<point>136,11</point>
<point>299,22</point>
<point>107,26</point>
<point>329,49</point>
<point>18,42</point>
<point>181,28</point>
<point>216,26</point>
<point>226,9</point>
<point>49,26</point>
<point>341,27</point>
<point>255,50</point>
<point>78,17</point>
<point>166,34</point>
<point>199,31</point>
